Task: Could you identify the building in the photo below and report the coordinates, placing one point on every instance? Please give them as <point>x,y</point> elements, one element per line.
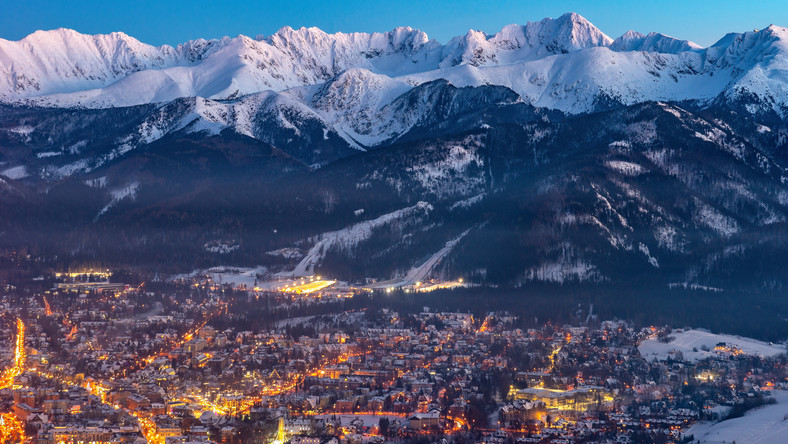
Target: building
<point>579,399</point>
<point>421,421</point>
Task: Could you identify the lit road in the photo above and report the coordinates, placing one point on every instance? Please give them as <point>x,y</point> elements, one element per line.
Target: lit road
<point>11,428</point>
<point>7,379</point>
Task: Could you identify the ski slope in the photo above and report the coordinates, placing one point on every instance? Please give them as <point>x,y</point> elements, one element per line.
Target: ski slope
<point>349,237</point>
<point>419,273</point>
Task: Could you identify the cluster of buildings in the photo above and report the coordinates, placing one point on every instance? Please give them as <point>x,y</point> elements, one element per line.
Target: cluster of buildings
<point>188,362</point>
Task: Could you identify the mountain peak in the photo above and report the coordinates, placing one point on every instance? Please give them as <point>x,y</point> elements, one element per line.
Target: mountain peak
<point>568,33</point>
<point>517,43</point>
<point>288,34</point>
<point>779,32</point>
<point>653,42</point>
<point>574,18</point>
<point>631,35</point>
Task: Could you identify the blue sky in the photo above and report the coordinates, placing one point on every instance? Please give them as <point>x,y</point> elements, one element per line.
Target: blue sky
<point>175,21</point>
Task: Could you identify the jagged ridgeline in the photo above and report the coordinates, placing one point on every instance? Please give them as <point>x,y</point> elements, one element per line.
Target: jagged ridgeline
<point>546,153</point>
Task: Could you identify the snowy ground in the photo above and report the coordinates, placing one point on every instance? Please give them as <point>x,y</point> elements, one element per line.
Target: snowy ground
<point>244,276</point>
<point>765,425</point>
<point>18,172</point>
<point>235,276</point>
<point>692,342</point>
<point>294,321</point>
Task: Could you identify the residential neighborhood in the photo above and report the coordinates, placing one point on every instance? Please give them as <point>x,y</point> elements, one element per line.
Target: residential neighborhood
<point>89,361</point>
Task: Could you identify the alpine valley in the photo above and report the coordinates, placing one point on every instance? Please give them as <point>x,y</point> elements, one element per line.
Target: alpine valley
<point>544,154</point>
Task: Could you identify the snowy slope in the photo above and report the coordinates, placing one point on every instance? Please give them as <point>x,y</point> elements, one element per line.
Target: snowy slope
<point>765,425</point>
<point>693,342</point>
<point>420,272</point>
<point>63,60</point>
<point>348,237</point>
<point>758,63</point>
<point>352,101</point>
<point>653,42</point>
<point>577,82</point>
<point>347,81</point>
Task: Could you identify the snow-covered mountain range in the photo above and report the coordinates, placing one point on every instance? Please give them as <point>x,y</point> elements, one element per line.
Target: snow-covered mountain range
<point>565,64</point>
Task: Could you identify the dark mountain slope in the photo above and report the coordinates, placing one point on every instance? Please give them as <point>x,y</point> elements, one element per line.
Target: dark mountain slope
<point>650,192</point>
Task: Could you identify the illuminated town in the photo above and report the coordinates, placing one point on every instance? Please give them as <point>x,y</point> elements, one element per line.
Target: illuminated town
<point>91,359</point>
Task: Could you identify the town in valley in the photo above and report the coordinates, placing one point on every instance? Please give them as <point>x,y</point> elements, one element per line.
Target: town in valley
<point>92,356</point>
<point>360,222</point>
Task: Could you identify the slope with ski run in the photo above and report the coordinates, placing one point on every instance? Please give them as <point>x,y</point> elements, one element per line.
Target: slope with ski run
<point>350,236</point>
<point>419,273</point>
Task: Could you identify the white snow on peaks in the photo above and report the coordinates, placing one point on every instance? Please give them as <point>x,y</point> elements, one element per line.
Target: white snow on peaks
<point>514,43</point>
<point>116,70</point>
<point>63,60</point>
<point>564,63</point>
<point>352,103</point>
<point>653,42</point>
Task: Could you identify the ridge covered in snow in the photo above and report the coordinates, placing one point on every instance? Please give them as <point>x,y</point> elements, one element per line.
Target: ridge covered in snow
<point>653,42</point>
<point>564,63</point>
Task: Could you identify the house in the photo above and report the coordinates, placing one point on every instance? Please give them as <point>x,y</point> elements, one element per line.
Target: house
<point>345,405</point>
<point>421,421</point>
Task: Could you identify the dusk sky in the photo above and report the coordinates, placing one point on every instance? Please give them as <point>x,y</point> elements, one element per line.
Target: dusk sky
<point>176,21</point>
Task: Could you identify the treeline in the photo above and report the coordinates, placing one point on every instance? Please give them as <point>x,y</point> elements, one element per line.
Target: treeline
<point>758,315</point>
<point>738,410</point>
